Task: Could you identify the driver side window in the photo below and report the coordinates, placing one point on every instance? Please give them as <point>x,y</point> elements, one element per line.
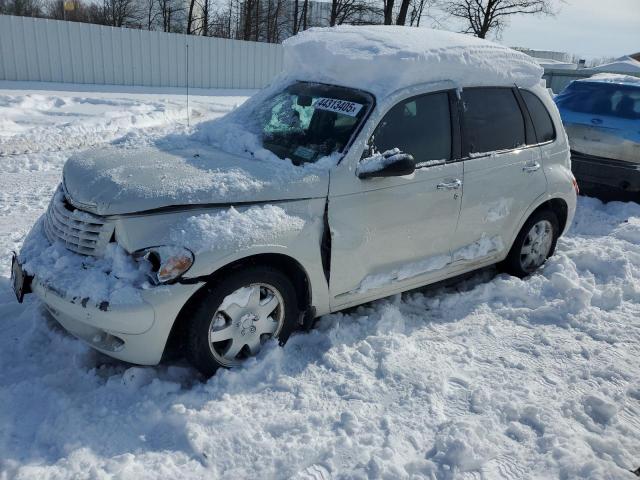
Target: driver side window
<point>419,126</point>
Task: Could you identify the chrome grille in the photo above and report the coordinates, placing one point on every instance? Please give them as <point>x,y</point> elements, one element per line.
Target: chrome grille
<point>80,231</point>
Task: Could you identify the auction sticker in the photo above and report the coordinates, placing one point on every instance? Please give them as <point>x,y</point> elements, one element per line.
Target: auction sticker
<point>338,106</point>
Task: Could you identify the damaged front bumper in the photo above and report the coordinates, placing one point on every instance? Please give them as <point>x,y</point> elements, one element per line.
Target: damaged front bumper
<point>135,333</point>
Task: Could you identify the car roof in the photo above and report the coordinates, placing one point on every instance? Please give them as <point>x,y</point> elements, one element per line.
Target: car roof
<point>613,78</point>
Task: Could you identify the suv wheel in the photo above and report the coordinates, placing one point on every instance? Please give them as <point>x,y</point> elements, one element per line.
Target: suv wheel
<point>237,315</point>
<point>534,244</point>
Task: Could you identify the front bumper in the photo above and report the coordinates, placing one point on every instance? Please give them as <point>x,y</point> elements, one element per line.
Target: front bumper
<point>133,333</point>
<point>604,171</point>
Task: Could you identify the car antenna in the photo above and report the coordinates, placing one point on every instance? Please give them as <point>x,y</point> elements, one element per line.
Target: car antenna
<point>188,116</point>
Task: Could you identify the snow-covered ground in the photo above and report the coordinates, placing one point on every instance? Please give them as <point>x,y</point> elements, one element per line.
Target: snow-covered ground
<point>492,378</point>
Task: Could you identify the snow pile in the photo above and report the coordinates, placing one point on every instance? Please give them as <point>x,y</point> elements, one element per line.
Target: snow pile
<point>381,59</point>
<point>235,228</point>
<point>612,78</point>
<point>114,278</point>
<point>37,121</point>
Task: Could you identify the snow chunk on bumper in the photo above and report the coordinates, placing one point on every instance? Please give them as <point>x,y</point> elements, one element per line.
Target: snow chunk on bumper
<point>113,279</point>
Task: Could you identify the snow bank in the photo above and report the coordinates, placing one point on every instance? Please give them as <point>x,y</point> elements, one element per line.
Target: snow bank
<point>381,59</point>
<point>494,378</point>
<point>232,228</point>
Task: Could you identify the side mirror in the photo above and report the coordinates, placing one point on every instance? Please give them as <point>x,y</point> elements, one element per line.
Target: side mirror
<point>392,163</point>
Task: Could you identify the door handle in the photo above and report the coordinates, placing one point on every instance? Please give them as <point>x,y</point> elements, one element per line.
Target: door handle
<point>531,167</point>
<point>451,185</point>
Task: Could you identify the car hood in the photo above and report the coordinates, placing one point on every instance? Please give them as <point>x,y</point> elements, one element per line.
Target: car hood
<point>114,181</point>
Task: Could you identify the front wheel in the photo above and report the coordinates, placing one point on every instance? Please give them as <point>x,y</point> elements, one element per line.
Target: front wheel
<point>534,244</point>
<point>237,315</point>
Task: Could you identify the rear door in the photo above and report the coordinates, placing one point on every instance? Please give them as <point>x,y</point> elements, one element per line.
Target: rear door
<point>502,171</point>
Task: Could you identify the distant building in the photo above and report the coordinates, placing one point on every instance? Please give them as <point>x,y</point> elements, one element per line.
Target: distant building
<point>551,64</point>
<point>563,57</point>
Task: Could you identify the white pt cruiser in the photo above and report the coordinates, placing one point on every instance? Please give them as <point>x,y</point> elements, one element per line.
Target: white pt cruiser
<point>324,191</point>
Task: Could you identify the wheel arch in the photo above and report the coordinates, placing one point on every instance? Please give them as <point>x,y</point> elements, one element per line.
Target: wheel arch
<point>560,208</point>
<point>557,205</point>
<point>286,264</point>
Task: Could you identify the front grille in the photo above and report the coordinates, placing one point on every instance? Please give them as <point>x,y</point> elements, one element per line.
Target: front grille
<point>80,231</point>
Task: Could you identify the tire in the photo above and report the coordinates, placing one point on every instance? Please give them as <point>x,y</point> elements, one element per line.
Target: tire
<point>224,333</point>
<point>525,256</point>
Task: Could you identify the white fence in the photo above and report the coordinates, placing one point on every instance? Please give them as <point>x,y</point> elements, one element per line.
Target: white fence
<point>35,49</point>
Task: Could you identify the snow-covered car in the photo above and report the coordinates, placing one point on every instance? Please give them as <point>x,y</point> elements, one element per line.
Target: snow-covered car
<point>382,159</point>
<point>601,116</point>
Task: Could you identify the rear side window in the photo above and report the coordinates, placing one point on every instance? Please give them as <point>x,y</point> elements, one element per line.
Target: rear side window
<point>542,123</point>
<point>492,120</point>
<point>420,126</point>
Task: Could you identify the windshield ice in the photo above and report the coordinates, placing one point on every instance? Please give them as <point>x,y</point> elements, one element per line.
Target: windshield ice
<point>306,121</point>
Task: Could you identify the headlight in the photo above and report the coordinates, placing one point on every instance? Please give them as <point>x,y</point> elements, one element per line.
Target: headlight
<point>166,263</point>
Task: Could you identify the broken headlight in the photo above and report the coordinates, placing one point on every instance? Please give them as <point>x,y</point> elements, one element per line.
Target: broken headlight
<point>165,263</point>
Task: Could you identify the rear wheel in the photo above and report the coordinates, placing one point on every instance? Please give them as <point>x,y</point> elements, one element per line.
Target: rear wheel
<point>238,315</point>
<point>534,244</point>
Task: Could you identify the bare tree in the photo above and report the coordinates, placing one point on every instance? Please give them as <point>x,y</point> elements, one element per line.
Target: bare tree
<point>192,4</point>
<point>23,8</point>
<point>388,11</point>
<point>171,14</point>
<point>354,12</point>
<point>483,16</point>
<point>121,13</point>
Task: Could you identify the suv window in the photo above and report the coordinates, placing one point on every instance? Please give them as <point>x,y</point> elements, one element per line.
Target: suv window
<point>420,126</point>
<point>542,123</point>
<point>492,120</point>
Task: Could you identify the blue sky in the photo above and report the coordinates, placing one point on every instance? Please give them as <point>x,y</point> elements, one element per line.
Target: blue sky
<point>590,28</point>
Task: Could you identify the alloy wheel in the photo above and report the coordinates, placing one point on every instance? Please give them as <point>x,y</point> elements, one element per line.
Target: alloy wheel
<point>244,321</point>
<point>537,245</point>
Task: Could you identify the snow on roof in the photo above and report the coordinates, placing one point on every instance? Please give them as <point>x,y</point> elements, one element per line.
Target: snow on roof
<point>612,78</point>
<point>381,59</point>
<point>621,65</point>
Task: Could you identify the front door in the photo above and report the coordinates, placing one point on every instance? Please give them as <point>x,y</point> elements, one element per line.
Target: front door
<point>392,233</point>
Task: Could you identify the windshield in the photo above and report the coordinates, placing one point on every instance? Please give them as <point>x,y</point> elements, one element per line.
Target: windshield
<point>308,121</point>
<point>608,99</point>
